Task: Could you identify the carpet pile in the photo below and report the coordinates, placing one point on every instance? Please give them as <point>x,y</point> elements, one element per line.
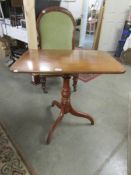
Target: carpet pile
<point>11,161</point>
<point>87,77</point>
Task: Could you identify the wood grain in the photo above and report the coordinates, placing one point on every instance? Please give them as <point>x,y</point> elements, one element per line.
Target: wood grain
<point>98,29</point>
<point>57,62</point>
<point>29,8</point>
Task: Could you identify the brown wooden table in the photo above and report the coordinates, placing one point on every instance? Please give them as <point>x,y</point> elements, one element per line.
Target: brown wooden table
<point>66,63</point>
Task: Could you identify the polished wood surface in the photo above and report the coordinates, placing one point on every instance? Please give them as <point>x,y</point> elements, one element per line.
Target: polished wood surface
<point>65,107</point>
<point>58,62</point>
<point>66,63</point>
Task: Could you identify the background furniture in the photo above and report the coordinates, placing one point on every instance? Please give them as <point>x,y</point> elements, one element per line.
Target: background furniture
<point>98,28</point>
<point>13,14</point>
<point>16,12</point>
<point>56,30</point>
<point>13,26</point>
<point>121,43</point>
<point>91,26</point>
<point>75,62</point>
<point>17,3</point>
<point>18,33</point>
<point>1,10</point>
<point>92,20</point>
<point>114,16</point>
<point>43,4</point>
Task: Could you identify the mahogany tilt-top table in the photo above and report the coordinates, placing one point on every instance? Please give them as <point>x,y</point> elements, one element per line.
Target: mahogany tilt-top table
<point>66,63</point>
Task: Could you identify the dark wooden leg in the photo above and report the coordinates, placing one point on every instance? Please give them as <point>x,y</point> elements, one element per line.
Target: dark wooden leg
<point>43,84</point>
<point>75,80</point>
<point>35,79</point>
<point>79,114</point>
<point>54,126</point>
<point>65,107</point>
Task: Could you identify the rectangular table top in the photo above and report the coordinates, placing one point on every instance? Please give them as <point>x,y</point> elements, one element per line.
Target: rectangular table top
<point>67,62</point>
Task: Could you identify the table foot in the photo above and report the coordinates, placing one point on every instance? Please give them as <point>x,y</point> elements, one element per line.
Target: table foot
<point>82,115</point>
<point>58,120</point>
<point>66,107</point>
<point>56,103</point>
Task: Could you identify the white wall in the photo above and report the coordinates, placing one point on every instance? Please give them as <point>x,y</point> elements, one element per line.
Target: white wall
<point>99,2</point>
<point>74,7</point>
<point>113,22</point>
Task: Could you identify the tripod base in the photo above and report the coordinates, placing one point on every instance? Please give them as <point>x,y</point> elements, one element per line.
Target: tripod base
<point>66,107</point>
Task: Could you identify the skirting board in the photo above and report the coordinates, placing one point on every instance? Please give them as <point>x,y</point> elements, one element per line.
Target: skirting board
<point>129,137</point>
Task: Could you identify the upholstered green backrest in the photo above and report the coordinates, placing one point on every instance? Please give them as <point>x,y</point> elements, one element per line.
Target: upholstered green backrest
<point>55,30</point>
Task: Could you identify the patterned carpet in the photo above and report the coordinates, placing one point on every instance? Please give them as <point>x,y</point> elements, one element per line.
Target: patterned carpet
<point>11,161</point>
<point>87,77</point>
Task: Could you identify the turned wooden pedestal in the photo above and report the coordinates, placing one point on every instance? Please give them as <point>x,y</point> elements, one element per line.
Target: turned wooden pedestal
<point>66,107</point>
<point>68,63</point>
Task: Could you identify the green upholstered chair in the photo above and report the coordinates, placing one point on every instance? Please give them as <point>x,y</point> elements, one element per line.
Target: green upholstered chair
<point>56,29</point>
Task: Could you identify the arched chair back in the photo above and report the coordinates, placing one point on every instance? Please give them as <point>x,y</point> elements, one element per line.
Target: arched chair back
<point>56,29</point>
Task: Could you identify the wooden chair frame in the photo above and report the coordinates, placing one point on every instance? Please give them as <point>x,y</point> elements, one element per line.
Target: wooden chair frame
<point>65,11</point>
